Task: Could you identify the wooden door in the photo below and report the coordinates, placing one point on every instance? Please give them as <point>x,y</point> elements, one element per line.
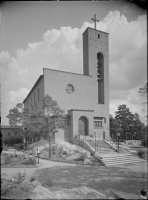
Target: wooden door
<point>82,126</point>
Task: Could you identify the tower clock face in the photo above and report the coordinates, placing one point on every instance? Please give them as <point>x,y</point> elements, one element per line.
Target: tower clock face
<point>69,89</point>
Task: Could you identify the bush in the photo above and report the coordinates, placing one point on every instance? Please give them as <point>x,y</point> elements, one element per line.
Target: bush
<point>13,140</point>
<point>46,179</point>
<point>129,143</point>
<point>7,159</point>
<point>142,153</point>
<point>144,143</point>
<point>19,177</point>
<point>21,157</point>
<point>29,160</point>
<point>32,178</point>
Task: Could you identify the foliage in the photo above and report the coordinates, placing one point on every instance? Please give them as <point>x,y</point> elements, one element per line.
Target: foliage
<point>130,123</point>
<point>40,124</point>
<point>21,157</point>
<point>47,179</point>
<point>83,155</point>
<point>144,142</point>
<point>143,93</point>
<point>29,160</point>
<point>32,178</point>
<point>53,117</point>
<point>114,125</point>
<point>7,159</point>
<point>142,153</point>
<point>13,140</point>
<point>19,177</point>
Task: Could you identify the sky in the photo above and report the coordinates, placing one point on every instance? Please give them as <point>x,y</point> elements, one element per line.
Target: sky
<point>37,35</point>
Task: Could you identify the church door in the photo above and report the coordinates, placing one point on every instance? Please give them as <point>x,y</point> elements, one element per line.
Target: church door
<point>83,126</point>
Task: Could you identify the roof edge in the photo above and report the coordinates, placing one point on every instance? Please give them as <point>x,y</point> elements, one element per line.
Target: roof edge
<point>95,30</point>
<point>66,72</point>
<point>40,77</point>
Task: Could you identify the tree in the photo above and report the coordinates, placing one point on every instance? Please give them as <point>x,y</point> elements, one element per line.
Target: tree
<point>114,127</point>
<point>130,123</point>
<point>53,116</point>
<point>19,115</point>
<point>124,118</point>
<point>43,123</point>
<point>143,93</point>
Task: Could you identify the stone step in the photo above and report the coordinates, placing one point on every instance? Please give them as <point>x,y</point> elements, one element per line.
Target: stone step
<point>120,158</point>
<point>110,160</point>
<point>123,162</point>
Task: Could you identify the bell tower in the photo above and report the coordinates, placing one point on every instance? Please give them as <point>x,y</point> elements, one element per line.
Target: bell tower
<point>96,60</point>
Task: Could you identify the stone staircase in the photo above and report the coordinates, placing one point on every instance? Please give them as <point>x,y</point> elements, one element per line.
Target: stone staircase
<point>120,159</point>
<point>103,147</point>
<point>107,150</point>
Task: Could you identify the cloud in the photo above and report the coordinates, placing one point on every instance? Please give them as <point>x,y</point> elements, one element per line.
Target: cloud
<point>62,50</point>
<point>16,95</point>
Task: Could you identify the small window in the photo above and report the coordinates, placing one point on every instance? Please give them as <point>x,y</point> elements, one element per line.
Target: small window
<point>98,124</point>
<point>104,120</point>
<point>98,36</point>
<point>8,134</point>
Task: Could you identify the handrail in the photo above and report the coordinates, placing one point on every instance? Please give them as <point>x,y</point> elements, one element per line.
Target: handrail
<point>89,139</point>
<point>111,142</point>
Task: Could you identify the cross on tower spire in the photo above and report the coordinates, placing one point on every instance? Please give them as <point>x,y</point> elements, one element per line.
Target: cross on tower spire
<point>95,20</point>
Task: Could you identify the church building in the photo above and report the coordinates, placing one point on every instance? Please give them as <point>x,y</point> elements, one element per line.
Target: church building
<point>84,97</point>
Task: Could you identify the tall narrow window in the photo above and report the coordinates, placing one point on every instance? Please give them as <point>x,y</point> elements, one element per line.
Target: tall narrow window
<point>34,98</point>
<point>31,101</point>
<point>36,106</point>
<point>100,76</point>
<point>38,94</point>
<point>104,120</point>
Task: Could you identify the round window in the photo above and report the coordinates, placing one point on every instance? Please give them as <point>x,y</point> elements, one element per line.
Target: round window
<point>69,88</point>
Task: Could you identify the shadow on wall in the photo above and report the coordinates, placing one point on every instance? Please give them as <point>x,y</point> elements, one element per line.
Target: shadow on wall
<point>61,135</point>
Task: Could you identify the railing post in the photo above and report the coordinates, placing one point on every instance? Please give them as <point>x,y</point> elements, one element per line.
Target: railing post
<point>95,141</point>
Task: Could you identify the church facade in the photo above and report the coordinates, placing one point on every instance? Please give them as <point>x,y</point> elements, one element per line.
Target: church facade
<point>84,97</point>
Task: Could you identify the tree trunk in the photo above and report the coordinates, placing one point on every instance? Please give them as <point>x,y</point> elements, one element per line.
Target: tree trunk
<point>50,147</point>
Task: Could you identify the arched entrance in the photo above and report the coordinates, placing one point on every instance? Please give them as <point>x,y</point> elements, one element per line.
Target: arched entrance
<point>83,126</point>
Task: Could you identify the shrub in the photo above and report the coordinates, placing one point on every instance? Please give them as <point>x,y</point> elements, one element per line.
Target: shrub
<point>19,177</point>
<point>83,155</point>
<point>7,159</point>
<point>144,143</point>
<point>130,143</point>
<point>13,140</point>
<point>29,160</point>
<point>47,179</point>
<point>21,157</point>
<point>32,178</point>
<point>142,153</point>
